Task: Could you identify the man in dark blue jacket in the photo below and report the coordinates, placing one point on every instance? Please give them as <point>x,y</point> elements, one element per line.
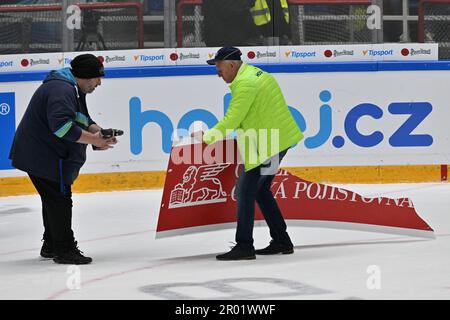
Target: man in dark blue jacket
<point>50,145</point>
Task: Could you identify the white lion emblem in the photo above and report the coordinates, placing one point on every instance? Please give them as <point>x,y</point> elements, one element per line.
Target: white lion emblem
<point>200,186</point>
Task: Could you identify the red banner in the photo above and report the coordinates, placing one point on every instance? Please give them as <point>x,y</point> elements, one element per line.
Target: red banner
<point>199,196</point>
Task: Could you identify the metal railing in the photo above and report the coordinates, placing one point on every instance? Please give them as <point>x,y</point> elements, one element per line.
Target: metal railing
<point>83,6</point>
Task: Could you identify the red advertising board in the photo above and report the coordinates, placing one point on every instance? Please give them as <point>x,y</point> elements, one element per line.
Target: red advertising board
<point>199,196</point>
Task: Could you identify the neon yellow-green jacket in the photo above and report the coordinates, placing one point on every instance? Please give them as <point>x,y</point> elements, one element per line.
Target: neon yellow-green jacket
<point>259,114</point>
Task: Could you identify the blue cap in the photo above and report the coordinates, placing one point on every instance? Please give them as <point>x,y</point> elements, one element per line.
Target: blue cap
<point>226,53</point>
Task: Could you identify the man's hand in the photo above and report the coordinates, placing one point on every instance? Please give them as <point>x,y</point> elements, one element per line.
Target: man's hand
<point>94,128</point>
<point>101,143</point>
<point>97,140</point>
<point>110,142</point>
<point>197,135</point>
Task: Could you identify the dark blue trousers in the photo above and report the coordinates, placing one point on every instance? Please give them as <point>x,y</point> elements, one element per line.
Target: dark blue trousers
<point>254,186</point>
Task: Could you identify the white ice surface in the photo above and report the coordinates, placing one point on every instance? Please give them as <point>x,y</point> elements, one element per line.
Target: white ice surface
<point>117,229</point>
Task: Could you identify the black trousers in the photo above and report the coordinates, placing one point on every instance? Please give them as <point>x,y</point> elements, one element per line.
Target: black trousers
<point>254,186</point>
<point>56,212</point>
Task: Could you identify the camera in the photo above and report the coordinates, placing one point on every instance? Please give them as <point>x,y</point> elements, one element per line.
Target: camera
<point>107,134</point>
<point>110,133</point>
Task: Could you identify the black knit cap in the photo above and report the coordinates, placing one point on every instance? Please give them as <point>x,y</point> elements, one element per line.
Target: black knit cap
<point>87,66</point>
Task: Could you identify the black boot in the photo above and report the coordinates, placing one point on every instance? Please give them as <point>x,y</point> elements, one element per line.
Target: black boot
<point>238,252</point>
<point>70,254</point>
<point>275,248</point>
<point>47,250</point>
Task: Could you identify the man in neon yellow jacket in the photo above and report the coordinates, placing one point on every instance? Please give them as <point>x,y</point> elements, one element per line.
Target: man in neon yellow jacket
<point>265,131</point>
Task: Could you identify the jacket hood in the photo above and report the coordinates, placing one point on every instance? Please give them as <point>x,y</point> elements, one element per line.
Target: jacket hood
<point>62,74</point>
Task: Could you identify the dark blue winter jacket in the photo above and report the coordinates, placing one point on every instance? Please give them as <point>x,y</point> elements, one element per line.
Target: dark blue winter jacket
<point>45,141</point>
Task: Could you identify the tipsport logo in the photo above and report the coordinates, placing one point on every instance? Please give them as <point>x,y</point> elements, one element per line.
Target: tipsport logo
<point>403,136</point>
<point>6,64</point>
<point>66,61</point>
<point>148,58</point>
<point>300,54</point>
<point>378,53</point>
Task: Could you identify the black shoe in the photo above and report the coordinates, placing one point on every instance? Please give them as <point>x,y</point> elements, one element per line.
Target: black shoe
<point>47,250</point>
<point>275,248</point>
<point>72,255</point>
<point>238,252</point>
